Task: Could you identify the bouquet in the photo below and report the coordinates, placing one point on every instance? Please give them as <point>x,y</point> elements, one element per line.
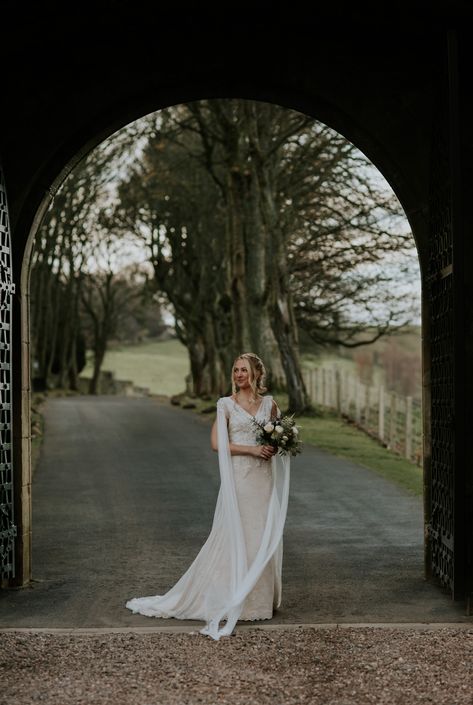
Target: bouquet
<point>281,433</point>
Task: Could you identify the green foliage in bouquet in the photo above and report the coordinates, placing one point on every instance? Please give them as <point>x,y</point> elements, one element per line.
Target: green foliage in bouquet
<point>281,433</point>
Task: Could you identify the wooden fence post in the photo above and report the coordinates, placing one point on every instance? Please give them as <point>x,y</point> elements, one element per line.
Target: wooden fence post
<point>317,385</point>
<point>392,421</point>
<point>367,411</point>
<point>338,391</point>
<point>408,433</point>
<point>346,393</point>
<point>353,384</point>
<point>310,385</point>
<point>358,401</point>
<point>381,413</point>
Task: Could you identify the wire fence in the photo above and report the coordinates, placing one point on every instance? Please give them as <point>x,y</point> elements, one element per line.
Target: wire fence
<point>393,419</point>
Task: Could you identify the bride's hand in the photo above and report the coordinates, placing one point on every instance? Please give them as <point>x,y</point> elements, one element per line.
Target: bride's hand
<point>264,452</point>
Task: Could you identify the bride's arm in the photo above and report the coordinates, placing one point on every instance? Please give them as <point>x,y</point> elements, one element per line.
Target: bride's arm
<point>256,451</point>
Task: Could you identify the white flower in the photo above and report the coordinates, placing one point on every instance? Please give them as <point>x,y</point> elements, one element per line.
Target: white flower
<point>295,431</point>
<point>269,427</point>
<point>279,429</point>
<point>284,438</point>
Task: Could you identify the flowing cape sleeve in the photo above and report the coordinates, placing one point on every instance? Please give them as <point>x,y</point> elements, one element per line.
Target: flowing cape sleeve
<point>243,577</point>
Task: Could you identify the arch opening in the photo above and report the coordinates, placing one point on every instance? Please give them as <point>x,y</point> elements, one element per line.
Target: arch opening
<point>25,271</point>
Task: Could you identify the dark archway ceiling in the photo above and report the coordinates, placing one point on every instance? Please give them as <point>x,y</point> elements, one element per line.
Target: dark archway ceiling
<point>74,73</point>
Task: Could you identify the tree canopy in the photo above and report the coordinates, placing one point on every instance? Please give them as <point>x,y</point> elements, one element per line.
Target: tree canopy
<point>256,222</point>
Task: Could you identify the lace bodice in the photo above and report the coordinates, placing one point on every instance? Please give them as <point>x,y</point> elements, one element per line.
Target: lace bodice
<point>241,427</point>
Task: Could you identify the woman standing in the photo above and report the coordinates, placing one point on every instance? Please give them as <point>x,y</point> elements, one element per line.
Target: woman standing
<point>237,572</point>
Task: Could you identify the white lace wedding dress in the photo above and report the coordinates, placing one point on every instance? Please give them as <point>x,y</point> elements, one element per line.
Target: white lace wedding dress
<point>237,572</point>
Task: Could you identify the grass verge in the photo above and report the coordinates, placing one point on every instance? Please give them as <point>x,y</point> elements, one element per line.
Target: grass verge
<point>341,438</point>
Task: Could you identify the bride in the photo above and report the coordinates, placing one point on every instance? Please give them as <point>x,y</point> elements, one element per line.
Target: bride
<point>237,573</point>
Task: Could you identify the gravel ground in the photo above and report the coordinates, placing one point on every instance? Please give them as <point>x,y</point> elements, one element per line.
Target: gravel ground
<point>333,666</point>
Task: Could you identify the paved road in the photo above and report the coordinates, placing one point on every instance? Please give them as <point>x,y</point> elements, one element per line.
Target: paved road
<point>123,498</point>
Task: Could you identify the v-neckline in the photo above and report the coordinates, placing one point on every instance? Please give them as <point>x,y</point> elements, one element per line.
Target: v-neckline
<point>247,412</point>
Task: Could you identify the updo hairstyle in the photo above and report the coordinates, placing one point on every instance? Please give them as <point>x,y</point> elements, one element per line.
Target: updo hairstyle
<point>257,373</point>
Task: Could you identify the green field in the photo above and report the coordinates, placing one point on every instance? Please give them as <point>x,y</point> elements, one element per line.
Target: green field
<point>160,366</point>
<point>163,365</point>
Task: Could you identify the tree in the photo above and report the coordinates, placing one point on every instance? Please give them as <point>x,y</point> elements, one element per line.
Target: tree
<point>106,298</point>
<point>57,262</point>
<point>205,193</point>
<point>348,244</point>
<point>259,220</point>
<point>70,294</point>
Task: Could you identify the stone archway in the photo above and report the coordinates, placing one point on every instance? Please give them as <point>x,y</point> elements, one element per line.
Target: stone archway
<point>390,120</point>
<point>25,312</point>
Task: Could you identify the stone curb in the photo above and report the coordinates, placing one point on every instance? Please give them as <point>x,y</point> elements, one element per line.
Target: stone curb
<point>419,626</point>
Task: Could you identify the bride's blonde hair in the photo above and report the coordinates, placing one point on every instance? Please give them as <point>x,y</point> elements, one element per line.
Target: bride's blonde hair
<point>257,373</point>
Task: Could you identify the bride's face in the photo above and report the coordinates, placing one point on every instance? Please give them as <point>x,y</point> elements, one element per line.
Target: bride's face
<point>242,373</point>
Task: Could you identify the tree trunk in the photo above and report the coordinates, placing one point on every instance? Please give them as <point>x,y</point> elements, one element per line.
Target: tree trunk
<point>285,333</point>
<point>208,364</point>
<point>73,373</point>
<point>196,351</point>
<point>236,196</point>
<point>283,323</point>
<point>252,325</point>
<point>99,355</point>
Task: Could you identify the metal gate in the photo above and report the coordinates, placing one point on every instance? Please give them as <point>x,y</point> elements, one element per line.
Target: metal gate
<point>7,526</point>
<point>447,524</point>
<point>441,290</point>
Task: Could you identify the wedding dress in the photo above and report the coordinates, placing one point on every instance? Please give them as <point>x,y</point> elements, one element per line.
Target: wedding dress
<point>237,572</point>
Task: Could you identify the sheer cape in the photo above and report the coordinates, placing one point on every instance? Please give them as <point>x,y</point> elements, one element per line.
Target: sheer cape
<point>216,584</point>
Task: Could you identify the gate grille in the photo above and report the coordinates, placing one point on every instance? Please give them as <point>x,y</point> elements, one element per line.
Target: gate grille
<point>7,526</point>
<point>441,294</point>
<point>443,446</point>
